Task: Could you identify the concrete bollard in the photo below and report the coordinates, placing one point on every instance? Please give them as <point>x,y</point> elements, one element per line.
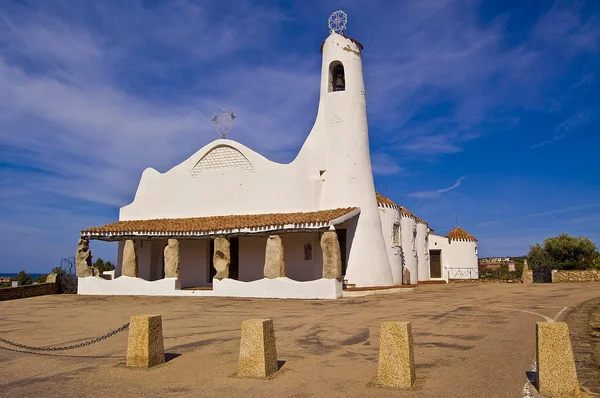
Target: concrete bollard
<point>145,345</point>
<point>258,355</point>
<point>556,373</point>
<point>396,358</point>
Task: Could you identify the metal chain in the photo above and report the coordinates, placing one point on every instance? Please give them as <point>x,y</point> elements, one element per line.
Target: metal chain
<point>70,347</point>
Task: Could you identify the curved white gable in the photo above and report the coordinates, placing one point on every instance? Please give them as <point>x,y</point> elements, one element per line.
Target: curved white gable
<point>223,178</point>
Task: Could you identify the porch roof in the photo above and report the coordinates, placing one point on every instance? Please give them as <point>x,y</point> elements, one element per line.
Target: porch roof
<point>239,224</point>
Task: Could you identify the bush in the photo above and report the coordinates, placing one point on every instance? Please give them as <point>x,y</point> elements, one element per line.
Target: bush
<point>565,252</point>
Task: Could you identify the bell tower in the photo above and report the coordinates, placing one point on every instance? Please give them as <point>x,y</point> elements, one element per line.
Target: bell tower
<point>339,144</point>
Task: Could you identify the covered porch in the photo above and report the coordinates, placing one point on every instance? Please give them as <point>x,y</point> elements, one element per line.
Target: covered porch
<point>287,255</point>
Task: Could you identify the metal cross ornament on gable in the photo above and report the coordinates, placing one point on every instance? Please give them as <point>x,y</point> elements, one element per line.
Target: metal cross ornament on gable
<point>223,122</point>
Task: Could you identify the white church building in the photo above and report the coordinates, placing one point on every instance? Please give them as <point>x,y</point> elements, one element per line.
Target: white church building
<point>229,222</point>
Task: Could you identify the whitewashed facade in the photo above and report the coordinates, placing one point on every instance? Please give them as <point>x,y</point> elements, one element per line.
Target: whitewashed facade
<point>327,187</point>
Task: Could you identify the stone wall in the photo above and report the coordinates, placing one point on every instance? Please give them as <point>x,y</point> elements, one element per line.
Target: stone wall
<point>576,276</point>
<point>40,289</point>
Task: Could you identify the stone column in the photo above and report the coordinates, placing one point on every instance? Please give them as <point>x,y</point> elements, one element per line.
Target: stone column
<point>274,263</point>
<point>556,372</point>
<point>396,367</point>
<point>258,353</point>
<point>130,260</point>
<point>332,257</point>
<point>145,347</point>
<point>171,256</point>
<point>222,258</point>
<point>527,276</point>
<point>83,260</point>
<point>406,276</point>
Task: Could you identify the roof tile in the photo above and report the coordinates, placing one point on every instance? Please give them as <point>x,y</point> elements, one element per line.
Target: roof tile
<point>460,234</point>
<point>218,223</point>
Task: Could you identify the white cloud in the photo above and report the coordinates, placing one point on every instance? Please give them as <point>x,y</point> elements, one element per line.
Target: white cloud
<point>566,127</point>
<point>437,192</point>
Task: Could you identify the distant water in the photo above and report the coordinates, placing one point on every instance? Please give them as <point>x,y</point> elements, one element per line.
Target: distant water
<point>13,276</point>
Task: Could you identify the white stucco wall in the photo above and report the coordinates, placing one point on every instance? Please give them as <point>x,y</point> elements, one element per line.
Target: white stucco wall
<point>252,257</point>
<point>422,251</point>
<point>456,255</point>
<point>296,267</point>
<point>389,217</point>
<point>408,227</point>
<point>264,288</point>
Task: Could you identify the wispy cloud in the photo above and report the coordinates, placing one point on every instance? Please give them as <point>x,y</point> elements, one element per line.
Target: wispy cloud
<point>437,192</point>
<point>567,127</point>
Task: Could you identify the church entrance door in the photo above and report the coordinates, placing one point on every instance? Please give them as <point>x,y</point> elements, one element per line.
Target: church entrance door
<point>435,263</point>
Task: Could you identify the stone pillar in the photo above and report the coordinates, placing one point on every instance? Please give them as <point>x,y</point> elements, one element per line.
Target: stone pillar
<point>556,373</point>
<point>222,258</point>
<point>396,359</point>
<point>145,346</point>
<point>406,276</point>
<point>130,260</point>
<point>527,276</point>
<point>83,260</point>
<point>332,257</point>
<point>171,256</point>
<point>258,354</point>
<point>274,263</point>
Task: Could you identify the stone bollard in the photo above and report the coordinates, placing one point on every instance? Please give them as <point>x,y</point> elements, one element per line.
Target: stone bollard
<point>258,355</point>
<point>396,359</point>
<point>556,373</point>
<point>145,346</point>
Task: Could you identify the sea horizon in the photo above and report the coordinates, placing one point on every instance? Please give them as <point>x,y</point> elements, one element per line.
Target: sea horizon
<point>14,275</point>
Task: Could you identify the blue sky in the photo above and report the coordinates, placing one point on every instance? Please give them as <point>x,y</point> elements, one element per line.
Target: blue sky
<point>485,111</point>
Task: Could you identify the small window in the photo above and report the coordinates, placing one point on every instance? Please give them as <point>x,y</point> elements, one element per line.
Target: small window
<point>307,252</point>
<point>396,234</point>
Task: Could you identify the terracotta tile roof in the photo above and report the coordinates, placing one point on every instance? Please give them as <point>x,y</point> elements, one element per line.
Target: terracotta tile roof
<point>199,226</point>
<point>405,212</point>
<point>460,234</point>
<point>385,202</point>
<point>421,221</point>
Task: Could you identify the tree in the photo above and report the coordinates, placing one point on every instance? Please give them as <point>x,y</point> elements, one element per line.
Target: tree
<point>102,266</point>
<point>41,279</point>
<point>564,252</point>
<point>23,278</point>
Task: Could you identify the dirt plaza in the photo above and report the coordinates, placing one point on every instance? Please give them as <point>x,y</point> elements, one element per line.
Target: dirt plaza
<point>470,340</point>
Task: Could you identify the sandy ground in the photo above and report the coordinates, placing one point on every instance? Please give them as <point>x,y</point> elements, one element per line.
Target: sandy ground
<point>471,340</point>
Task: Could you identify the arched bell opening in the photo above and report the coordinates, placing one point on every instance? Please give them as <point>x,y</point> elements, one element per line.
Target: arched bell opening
<point>337,77</point>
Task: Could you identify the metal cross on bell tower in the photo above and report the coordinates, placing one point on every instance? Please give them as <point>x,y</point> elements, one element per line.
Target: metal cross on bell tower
<point>223,122</point>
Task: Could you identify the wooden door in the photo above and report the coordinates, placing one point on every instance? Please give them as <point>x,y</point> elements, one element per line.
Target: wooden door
<point>435,263</point>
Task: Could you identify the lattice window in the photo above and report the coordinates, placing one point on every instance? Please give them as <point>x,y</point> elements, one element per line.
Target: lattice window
<point>396,234</point>
<point>307,252</point>
<point>222,157</point>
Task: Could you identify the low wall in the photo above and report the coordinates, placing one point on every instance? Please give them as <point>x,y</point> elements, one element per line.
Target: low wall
<point>18,292</point>
<point>575,276</point>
